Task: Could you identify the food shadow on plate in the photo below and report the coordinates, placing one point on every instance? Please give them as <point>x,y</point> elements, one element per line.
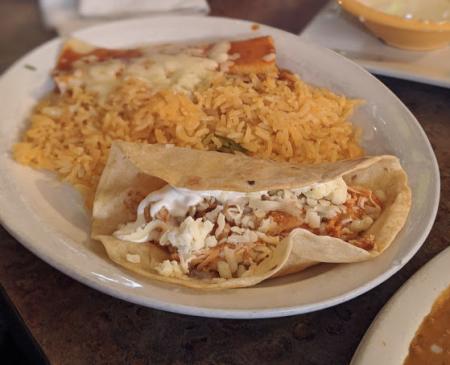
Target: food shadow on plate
<point>96,248</point>
<point>61,196</point>
<point>36,92</point>
<point>310,272</point>
<point>65,201</point>
<point>46,87</point>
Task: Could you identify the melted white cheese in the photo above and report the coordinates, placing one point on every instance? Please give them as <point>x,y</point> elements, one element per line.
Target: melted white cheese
<point>134,259</point>
<point>169,268</point>
<point>182,71</point>
<point>189,238</point>
<point>335,190</point>
<point>179,72</point>
<point>219,52</point>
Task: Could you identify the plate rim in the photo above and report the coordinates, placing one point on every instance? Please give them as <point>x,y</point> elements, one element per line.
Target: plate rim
<point>196,310</point>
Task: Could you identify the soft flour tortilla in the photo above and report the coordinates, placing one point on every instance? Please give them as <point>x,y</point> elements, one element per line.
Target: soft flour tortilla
<point>142,168</point>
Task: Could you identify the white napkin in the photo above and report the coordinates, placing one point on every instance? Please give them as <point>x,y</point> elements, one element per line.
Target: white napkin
<point>67,16</point>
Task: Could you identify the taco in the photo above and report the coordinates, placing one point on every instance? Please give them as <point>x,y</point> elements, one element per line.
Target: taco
<point>215,220</point>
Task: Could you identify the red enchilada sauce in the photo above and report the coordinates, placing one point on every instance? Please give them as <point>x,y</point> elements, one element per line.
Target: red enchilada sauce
<point>431,344</point>
<point>68,57</point>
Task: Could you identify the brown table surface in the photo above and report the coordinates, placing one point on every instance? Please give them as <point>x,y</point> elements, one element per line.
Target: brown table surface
<point>78,325</point>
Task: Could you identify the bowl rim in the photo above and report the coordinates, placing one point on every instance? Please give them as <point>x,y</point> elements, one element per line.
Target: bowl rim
<point>357,8</point>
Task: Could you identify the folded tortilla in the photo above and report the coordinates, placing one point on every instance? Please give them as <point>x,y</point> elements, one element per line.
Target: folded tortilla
<point>135,170</point>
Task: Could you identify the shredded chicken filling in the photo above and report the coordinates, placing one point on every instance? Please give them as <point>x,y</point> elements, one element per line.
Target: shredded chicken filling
<point>228,239</point>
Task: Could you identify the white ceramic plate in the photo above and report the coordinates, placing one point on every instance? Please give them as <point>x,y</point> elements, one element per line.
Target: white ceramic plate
<point>49,219</point>
<point>337,30</point>
<point>388,338</point>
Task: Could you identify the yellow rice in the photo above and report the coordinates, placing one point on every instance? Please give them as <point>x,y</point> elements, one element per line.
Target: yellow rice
<point>269,117</point>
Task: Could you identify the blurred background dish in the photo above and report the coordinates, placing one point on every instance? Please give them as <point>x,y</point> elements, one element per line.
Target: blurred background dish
<point>432,10</point>
<point>336,29</point>
<point>414,25</point>
<point>388,339</point>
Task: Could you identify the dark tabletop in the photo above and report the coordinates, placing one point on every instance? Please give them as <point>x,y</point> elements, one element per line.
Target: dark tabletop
<point>77,325</point>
